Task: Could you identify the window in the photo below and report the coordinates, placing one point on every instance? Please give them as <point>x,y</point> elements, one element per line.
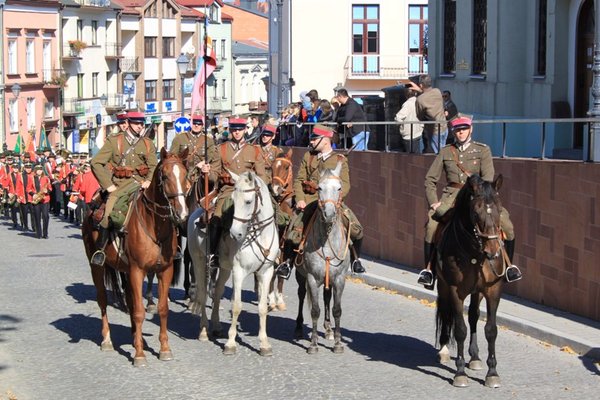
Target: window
<point>223,49</point>
<point>12,56</point>
<point>80,30</point>
<point>80,85</point>
<point>214,13</point>
<point>30,113</point>
<point>30,56</point>
<point>479,37</point>
<point>49,110</point>
<point>13,115</point>
<point>168,11</point>
<point>417,39</point>
<point>223,89</point>
<point>215,90</point>
<point>150,90</point>
<point>168,47</point>
<point>94,33</point>
<point>449,66</point>
<point>94,84</point>
<point>540,68</point>
<point>168,89</point>
<point>365,39</point>
<point>47,60</point>
<point>150,12</point>
<point>150,47</point>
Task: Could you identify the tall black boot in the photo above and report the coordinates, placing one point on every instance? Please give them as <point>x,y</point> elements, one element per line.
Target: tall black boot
<point>99,256</point>
<point>285,268</point>
<point>426,277</point>
<point>513,273</point>
<point>357,266</point>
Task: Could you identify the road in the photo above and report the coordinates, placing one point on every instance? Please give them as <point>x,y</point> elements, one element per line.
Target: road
<point>50,337</point>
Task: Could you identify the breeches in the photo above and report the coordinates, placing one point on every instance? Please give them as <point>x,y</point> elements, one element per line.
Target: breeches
<point>301,218</point>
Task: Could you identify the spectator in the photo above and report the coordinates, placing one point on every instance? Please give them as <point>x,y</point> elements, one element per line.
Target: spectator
<point>430,107</point>
<point>411,133</point>
<point>327,114</point>
<point>451,113</point>
<point>351,111</point>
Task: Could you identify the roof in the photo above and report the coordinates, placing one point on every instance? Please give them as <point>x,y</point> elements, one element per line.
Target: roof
<point>244,48</point>
<point>75,3</point>
<point>199,3</point>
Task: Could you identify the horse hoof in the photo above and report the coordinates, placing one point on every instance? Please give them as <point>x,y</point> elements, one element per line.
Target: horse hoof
<point>492,381</point>
<point>329,336</point>
<point>461,381</point>
<point>203,337</point>
<point>151,309</point>
<point>140,362</point>
<point>272,307</point>
<point>312,350</point>
<point>475,365</point>
<point>281,307</point>
<point>266,352</point>
<point>338,349</point>
<point>107,346</point>
<point>229,350</point>
<point>165,356</point>
<point>444,358</point>
<point>299,334</point>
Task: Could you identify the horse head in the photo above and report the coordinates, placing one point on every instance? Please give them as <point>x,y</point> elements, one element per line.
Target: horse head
<point>172,183</point>
<point>251,203</point>
<point>281,173</point>
<point>330,193</point>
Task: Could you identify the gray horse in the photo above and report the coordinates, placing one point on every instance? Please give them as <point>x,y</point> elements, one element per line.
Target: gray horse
<point>326,258</point>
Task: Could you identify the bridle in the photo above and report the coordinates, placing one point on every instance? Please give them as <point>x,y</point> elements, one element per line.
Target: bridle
<point>163,211</point>
<point>497,235</point>
<point>336,203</point>
<point>288,179</point>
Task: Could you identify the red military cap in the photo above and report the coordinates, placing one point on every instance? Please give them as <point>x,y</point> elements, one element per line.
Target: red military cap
<point>321,131</point>
<point>121,116</point>
<point>269,130</point>
<point>460,123</point>
<point>236,123</point>
<point>198,118</point>
<point>136,116</point>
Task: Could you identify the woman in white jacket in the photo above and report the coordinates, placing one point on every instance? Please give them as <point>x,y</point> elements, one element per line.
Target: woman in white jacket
<point>411,132</point>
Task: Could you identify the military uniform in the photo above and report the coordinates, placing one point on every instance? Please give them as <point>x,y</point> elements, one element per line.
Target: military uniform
<point>115,164</point>
<point>457,163</point>
<point>195,146</point>
<point>269,154</point>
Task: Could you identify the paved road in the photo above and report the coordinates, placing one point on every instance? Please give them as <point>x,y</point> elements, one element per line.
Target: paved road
<point>50,336</point>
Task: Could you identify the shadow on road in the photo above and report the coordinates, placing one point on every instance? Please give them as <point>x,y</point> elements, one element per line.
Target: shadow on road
<point>591,361</point>
<point>81,292</point>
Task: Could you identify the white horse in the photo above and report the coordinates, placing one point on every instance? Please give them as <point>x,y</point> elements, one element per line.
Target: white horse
<point>326,255</point>
<point>252,247</point>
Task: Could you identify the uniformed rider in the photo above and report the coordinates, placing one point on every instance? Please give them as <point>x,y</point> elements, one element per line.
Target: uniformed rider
<point>457,162</point>
<point>125,163</point>
<point>319,158</point>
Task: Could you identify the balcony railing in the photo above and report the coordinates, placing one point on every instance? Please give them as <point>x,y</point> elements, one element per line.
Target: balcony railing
<point>69,53</point>
<point>113,50</point>
<point>191,67</point>
<point>73,106</point>
<point>116,101</point>
<point>365,66</point>
<point>93,3</point>
<point>130,65</point>
<point>54,77</point>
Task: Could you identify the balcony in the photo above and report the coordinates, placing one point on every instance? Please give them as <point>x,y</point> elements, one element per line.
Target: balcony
<point>73,106</point>
<point>116,102</point>
<point>70,53</point>
<point>130,65</point>
<point>54,78</point>
<point>112,51</point>
<point>384,67</point>
<point>93,3</point>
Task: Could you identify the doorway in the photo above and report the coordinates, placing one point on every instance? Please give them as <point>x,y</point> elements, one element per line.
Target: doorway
<point>583,67</point>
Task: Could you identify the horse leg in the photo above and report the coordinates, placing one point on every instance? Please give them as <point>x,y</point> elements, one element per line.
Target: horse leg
<point>138,312</point>
<point>101,299</point>
<point>313,293</point>
<point>327,311</point>
<point>279,301</point>
<point>491,333</point>
<point>164,282</point>
<point>186,273</point>
<point>271,295</point>
<point>198,304</point>
<point>150,305</point>
<point>263,286</point>
<point>460,334</point>
<point>338,289</point>
<point>475,362</point>
<point>236,309</point>
<point>445,320</point>
<point>215,321</point>
<point>299,330</point>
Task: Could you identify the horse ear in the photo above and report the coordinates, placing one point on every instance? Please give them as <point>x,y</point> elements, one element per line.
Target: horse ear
<point>289,153</point>
<point>163,153</point>
<point>338,169</point>
<point>498,182</point>
<point>184,154</point>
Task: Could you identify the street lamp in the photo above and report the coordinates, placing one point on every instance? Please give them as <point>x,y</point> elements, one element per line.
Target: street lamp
<point>16,90</point>
<point>182,64</point>
<point>129,81</point>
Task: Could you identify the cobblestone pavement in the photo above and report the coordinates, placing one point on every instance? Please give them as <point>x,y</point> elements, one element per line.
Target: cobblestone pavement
<point>50,337</point>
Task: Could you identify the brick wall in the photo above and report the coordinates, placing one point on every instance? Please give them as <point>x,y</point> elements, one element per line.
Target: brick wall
<point>554,206</point>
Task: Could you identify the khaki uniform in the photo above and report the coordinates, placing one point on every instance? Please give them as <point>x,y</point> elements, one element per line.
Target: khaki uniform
<point>195,144</point>
<point>476,158</point>
<point>115,153</point>
<point>269,154</point>
<point>310,169</point>
<point>236,158</point>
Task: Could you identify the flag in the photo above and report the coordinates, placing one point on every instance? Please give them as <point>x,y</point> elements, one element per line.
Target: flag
<point>211,64</point>
<point>44,140</point>
<point>31,146</point>
<point>100,138</point>
<point>18,145</point>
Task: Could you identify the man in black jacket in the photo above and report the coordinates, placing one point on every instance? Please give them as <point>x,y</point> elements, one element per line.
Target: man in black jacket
<point>351,111</point>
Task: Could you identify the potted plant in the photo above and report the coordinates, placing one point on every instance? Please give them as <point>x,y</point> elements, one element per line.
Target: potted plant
<point>76,46</point>
<point>59,80</point>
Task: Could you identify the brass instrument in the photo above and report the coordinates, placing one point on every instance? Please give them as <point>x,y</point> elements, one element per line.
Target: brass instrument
<point>12,199</point>
<point>38,197</point>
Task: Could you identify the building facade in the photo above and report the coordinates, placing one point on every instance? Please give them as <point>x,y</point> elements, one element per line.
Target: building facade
<point>250,72</point>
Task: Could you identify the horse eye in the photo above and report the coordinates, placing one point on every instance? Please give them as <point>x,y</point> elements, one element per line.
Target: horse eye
<point>248,202</point>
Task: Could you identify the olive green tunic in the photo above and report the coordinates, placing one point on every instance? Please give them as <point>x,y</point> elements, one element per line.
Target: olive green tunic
<point>195,146</point>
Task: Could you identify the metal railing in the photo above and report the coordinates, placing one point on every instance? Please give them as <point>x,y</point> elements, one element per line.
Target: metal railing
<point>54,76</point>
<point>94,3</point>
<point>550,138</point>
<point>374,66</point>
<point>130,65</point>
<point>112,50</point>
<point>73,106</point>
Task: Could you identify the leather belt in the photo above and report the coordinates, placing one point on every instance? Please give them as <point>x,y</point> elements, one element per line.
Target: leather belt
<point>456,185</point>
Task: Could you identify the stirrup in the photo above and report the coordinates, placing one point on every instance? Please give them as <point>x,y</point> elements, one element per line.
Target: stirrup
<point>284,270</point>
<point>513,274</point>
<point>98,258</point>
<point>178,255</point>
<point>426,278</point>
<point>357,267</point>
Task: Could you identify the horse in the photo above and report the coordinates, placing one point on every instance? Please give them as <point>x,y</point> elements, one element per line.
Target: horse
<point>281,183</point>
<point>326,258</point>
<point>471,260</point>
<point>252,246</point>
<point>149,245</point>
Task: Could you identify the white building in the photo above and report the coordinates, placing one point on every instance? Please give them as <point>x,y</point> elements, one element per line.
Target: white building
<point>250,71</point>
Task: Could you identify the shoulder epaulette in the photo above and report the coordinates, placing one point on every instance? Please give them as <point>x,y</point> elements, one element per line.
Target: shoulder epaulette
<point>480,144</point>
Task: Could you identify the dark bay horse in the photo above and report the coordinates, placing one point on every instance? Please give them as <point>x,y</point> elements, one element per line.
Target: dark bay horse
<point>471,260</point>
<point>148,246</point>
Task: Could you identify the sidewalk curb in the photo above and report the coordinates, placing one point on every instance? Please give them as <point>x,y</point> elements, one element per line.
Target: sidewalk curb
<point>516,324</point>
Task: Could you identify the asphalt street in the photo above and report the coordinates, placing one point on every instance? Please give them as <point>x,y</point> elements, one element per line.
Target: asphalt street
<point>50,344</point>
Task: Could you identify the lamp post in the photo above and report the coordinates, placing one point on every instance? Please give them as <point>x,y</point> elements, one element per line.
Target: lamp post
<point>129,81</point>
<point>182,65</point>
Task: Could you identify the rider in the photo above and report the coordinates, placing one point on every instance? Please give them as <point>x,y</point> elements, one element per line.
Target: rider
<point>320,157</point>
<point>238,157</point>
<point>125,163</point>
<point>457,162</point>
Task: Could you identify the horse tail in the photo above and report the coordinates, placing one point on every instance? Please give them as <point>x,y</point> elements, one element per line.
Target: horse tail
<point>115,281</point>
<point>176,271</point>
<point>444,324</point>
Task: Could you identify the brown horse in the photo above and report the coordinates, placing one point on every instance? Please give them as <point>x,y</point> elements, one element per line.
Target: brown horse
<point>471,260</point>
<point>148,246</point>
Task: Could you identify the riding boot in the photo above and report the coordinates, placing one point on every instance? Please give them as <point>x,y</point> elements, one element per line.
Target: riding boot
<point>215,233</point>
<point>513,273</point>
<point>285,268</point>
<point>99,256</point>
<point>426,277</point>
<point>357,266</point>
